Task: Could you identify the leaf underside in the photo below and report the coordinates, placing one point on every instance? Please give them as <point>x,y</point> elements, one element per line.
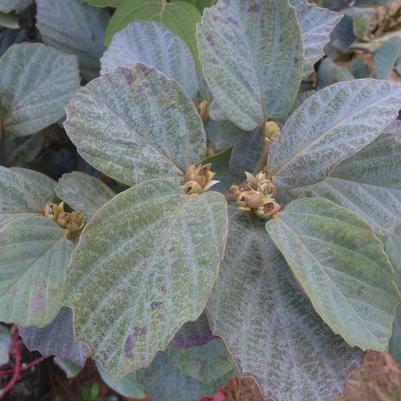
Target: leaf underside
<point>56,339</point>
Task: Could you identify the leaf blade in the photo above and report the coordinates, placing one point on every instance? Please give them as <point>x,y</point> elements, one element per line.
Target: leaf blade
<point>246,63</point>
<point>342,268</point>
<point>152,225</point>
<point>330,126</point>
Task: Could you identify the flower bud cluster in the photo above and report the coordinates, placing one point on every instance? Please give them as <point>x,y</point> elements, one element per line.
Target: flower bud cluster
<point>198,179</point>
<point>72,222</point>
<point>256,194</point>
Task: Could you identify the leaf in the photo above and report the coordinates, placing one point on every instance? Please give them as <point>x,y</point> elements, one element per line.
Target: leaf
<point>386,57</point>
<point>330,126</point>
<point>269,325</point>
<point>316,25</point>
<point>248,49</point>
<point>56,339</point>
<point>127,387</point>
<point>342,268</point>
<point>201,4</point>
<point>135,124</point>
<point>5,342</point>
<point>177,16</point>
<point>329,73</point>
<point>70,369</point>
<point>166,378</point>
<point>368,183</point>
<point>395,341</point>
<point>247,152</point>
<point>9,21</point>
<point>7,6</point>
<point>165,247</point>
<point>222,134</point>
<point>83,192</point>
<point>36,82</point>
<point>18,194</point>
<point>44,184</point>
<point>74,28</point>
<point>103,3</point>
<point>34,254</point>
<point>152,44</point>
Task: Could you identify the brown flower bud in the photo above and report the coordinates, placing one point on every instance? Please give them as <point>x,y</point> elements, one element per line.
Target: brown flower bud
<point>271,130</point>
<point>251,198</point>
<point>233,192</point>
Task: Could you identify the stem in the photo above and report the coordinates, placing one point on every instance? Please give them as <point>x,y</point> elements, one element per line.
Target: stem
<point>2,145</point>
<point>17,370</point>
<point>263,160</point>
<point>30,365</point>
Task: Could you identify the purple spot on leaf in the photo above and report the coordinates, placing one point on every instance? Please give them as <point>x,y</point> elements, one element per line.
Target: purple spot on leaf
<point>156,305</point>
<point>130,342</point>
<point>254,8</point>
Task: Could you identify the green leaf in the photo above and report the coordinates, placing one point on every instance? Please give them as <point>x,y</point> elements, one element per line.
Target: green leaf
<point>56,339</point>
<point>329,73</point>
<point>368,183</point>
<point>248,50</point>
<point>70,369</point>
<point>7,6</point>
<point>165,248</point>
<point>201,4</point>
<point>386,57</point>
<point>9,21</point>
<point>222,134</point>
<point>19,194</point>
<point>395,341</point>
<point>36,82</point>
<point>34,254</point>
<point>83,192</point>
<point>127,387</point>
<point>342,267</point>
<point>152,44</point>
<point>167,378</point>
<point>44,184</point>
<point>268,323</point>
<point>136,124</point>
<point>247,152</point>
<point>330,126</point>
<point>199,354</point>
<point>316,25</point>
<point>74,28</point>
<point>177,16</point>
<point>103,3</point>
<point>5,342</point>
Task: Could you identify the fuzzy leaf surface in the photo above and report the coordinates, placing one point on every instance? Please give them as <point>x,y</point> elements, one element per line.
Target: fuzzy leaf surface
<point>34,255</point>
<point>136,124</point>
<point>44,184</point>
<point>151,43</point>
<point>36,82</point>
<point>18,6</point>
<point>368,183</point>
<point>268,323</point>
<point>177,16</point>
<point>103,3</point>
<point>56,339</point>
<point>74,28</point>
<point>248,49</point>
<point>316,25</point>
<point>342,267</point>
<point>330,126</point>
<point>167,377</point>
<point>19,194</point>
<point>127,387</point>
<point>166,249</point>
<point>83,192</point>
